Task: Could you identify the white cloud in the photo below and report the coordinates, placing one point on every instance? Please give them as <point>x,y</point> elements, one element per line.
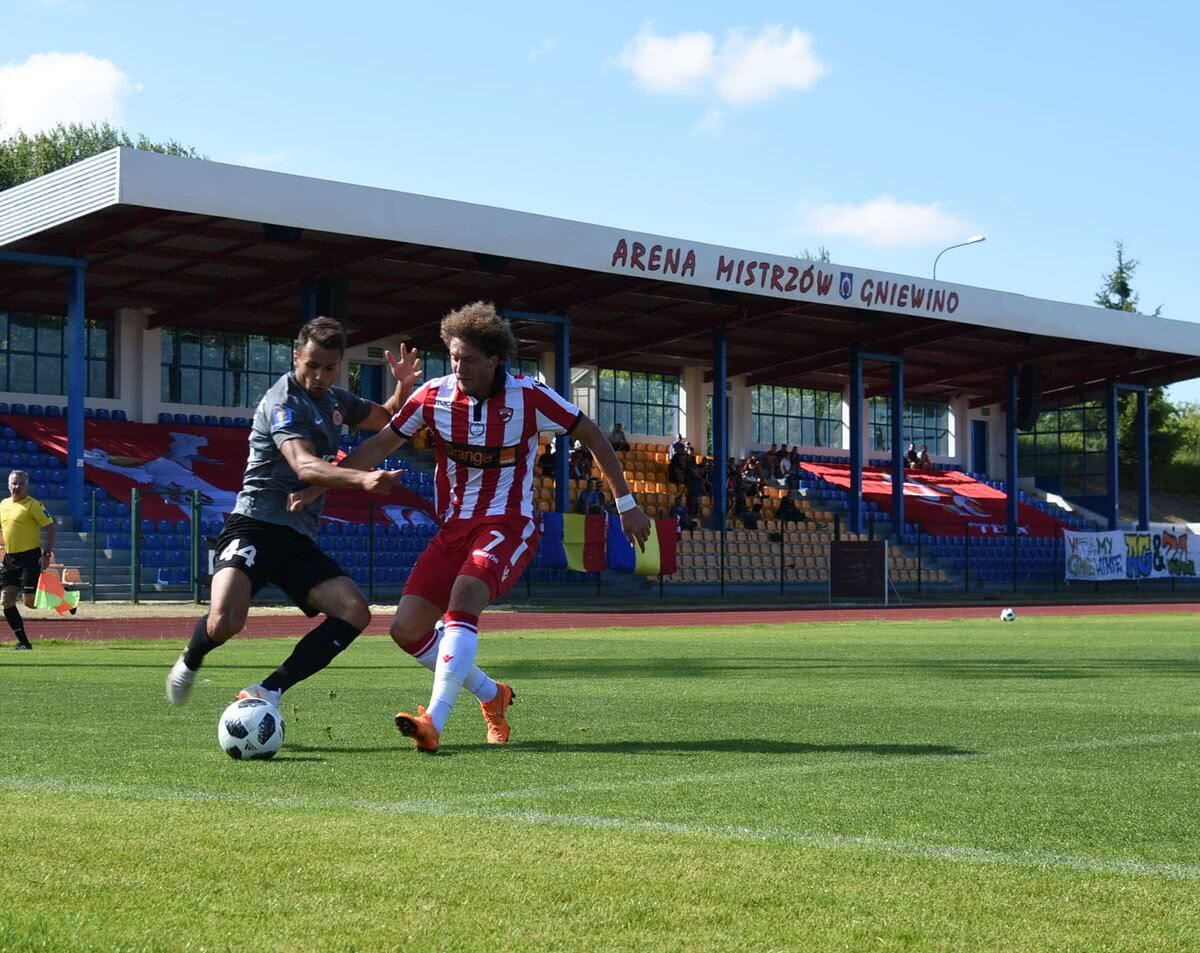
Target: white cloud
<point>753,68</point>
<point>885,222</point>
<point>669,64</point>
<point>710,123</point>
<point>49,88</point>
<point>744,69</point>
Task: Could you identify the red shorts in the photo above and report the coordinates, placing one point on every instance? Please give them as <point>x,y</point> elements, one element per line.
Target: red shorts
<point>496,549</point>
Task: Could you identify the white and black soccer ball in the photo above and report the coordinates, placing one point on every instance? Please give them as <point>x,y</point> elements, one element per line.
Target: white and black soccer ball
<point>1008,615</point>
<point>250,728</point>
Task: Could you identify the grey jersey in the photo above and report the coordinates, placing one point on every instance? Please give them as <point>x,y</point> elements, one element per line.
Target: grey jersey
<point>288,412</point>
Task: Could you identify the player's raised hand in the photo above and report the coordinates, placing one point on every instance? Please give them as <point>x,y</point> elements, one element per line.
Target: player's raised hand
<point>635,524</point>
<point>407,368</point>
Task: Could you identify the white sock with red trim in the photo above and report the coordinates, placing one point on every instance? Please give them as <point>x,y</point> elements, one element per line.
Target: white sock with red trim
<point>455,659</point>
<point>477,682</point>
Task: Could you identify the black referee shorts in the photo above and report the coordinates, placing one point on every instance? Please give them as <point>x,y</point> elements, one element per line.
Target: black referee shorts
<point>21,569</point>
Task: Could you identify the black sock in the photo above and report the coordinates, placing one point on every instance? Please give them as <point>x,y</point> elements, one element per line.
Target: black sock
<point>198,646</point>
<point>312,653</point>
<point>13,615</point>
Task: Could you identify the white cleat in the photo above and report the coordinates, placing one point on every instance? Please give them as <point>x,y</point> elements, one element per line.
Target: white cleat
<point>179,683</point>
<point>257,691</point>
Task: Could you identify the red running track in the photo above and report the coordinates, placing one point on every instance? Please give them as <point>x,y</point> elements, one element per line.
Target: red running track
<point>275,626</point>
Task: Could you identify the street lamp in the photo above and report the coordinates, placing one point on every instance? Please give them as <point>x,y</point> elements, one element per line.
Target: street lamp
<point>970,241</point>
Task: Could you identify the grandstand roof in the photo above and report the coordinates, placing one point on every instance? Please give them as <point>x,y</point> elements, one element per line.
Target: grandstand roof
<point>204,244</point>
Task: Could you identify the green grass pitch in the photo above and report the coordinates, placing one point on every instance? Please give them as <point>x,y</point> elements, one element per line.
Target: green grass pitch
<point>877,786</point>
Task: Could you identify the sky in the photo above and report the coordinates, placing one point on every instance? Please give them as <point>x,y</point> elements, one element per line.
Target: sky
<point>883,132</point>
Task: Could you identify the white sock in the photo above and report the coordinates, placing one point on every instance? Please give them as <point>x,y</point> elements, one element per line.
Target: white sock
<point>477,682</point>
<point>455,659</point>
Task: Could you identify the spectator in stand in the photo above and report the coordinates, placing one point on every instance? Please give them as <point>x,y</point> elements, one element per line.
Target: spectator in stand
<point>679,446</point>
<point>783,466</point>
<point>617,438</point>
<point>682,516</point>
<point>911,458</point>
<point>923,460</point>
<point>706,475</point>
<point>547,461</point>
<point>591,500</point>
<point>677,470</point>
<point>694,483</point>
<point>767,464</point>
<point>751,470</point>
<point>742,511</point>
<point>580,465</point>
<point>789,512</point>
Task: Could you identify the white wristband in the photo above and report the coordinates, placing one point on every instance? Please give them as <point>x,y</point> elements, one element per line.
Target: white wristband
<point>626,503</point>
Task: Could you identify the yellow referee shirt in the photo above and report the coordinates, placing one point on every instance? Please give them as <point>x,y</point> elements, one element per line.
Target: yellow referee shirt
<point>21,523</point>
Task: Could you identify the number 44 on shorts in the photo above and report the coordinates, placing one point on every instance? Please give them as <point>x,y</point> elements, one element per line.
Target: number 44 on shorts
<point>235,548</point>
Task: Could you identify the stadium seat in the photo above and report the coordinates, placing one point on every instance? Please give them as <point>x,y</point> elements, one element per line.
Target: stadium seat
<point>116,415</point>
<point>89,413</point>
<point>103,413</point>
<point>241,422</point>
<point>19,409</point>
<point>179,419</point>
<point>210,420</point>
<point>164,418</point>
<point>37,410</point>
<point>195,420</point>
<point>226,422</point>
<point>53,411</point>
<point>4,408</point>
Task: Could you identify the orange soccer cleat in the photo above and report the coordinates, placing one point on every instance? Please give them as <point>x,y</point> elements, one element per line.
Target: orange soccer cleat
<point>420,728</point>
<point>493,714</point>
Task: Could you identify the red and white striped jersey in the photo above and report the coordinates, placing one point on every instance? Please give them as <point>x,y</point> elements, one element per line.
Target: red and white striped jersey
<point>486,449</point>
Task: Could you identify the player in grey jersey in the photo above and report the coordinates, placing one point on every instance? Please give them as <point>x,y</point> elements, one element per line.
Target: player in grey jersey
<point>293,442</point>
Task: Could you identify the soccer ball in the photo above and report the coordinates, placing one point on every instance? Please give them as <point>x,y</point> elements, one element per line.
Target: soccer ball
<point>250,728</point>
<point>1007,615</point>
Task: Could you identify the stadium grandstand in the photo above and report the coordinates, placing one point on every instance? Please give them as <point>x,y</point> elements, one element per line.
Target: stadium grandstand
<point>147,302</point>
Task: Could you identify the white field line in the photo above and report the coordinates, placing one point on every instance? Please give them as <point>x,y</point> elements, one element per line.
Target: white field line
<point>1041,860</point>
<point>859,762</point>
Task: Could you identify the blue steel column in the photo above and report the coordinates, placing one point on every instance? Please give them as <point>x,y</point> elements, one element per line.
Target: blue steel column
<point>562,449</point>
<point>856,415</point>
<point>898,447</point>
<point>1143,432</point>
<point>308,301</point>
<point>720,427</point>
<point>76,391</point>
<point>1112,452</point>
<point>1010,452</point>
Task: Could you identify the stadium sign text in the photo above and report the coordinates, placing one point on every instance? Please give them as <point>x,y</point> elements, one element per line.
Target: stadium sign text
<point>810,282</point>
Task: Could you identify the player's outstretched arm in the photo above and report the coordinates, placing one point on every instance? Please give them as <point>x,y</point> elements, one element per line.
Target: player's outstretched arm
<point>313,470</point>
<point>634,522</point>
<point>366,456</point>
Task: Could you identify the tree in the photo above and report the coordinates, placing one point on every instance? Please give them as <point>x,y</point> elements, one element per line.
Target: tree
<point>24,157</point>
<point>821,254</point>
<point>1117,294</point>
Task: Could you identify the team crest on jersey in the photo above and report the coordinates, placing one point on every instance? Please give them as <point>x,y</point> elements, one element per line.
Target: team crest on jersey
<point>478,429</point>
<point>281,417</point>
<point>337,416</point>
<point>505,414</point>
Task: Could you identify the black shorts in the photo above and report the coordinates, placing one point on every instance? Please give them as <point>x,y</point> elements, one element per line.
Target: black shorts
<point>21,569</point>
<point>271,554</point>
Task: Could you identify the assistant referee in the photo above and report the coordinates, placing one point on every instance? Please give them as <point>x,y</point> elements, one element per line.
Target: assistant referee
<point>22,519</point>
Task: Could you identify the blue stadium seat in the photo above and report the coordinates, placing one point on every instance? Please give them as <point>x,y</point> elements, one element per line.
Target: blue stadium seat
<point>37,410</point>
<point>210,420</point>
<point>119,415</point>
<point>226,422</point>
<point>88,413</point>
<point>102,413</point>
<point>148,526</point>
<point>53,411</point>
<point>4,409</point>
<point>241,422</point>
<point>19,409</point>
<point>183,526</point>
<point>166,526</point>
<point>179,419</point>
<point>195,420</point>
<point>164,418</point>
